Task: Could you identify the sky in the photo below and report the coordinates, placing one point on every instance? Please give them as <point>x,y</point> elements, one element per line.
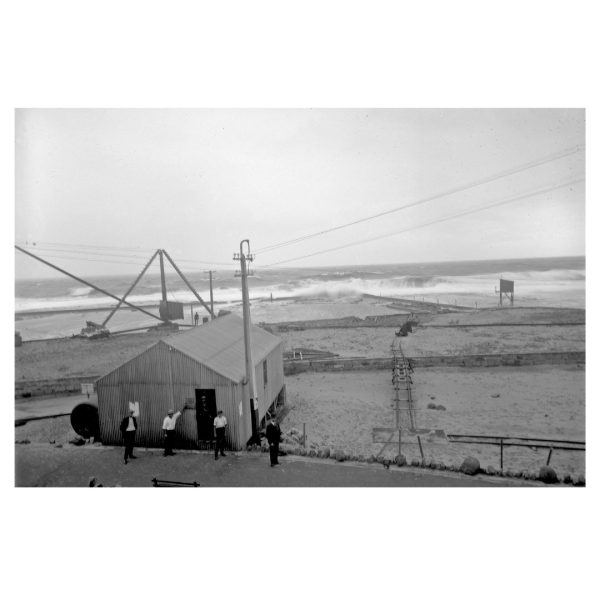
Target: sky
<point>97,191</point>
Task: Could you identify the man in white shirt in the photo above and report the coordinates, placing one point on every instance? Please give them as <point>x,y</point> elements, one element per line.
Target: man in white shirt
<point>169,431</point>
<point>220,423</point>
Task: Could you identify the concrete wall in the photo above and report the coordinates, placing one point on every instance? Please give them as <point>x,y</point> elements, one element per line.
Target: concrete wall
<point>73,384</point>
<point>473,360</point>
<point>42,387</point>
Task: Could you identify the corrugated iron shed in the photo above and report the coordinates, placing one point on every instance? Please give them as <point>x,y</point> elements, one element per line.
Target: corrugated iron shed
<point>176,369</point>
<point>219,345</point>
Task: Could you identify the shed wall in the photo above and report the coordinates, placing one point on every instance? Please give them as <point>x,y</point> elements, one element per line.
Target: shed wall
<point>159,379</point>
<point>267,393</point>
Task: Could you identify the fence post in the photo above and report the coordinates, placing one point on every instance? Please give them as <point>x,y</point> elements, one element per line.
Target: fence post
<point>501,454</point>
<point>549,456</point>
<point>304,435</point>
<point>421,448</point>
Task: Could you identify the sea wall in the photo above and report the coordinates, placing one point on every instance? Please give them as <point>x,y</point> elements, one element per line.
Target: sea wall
<point>471,360</point>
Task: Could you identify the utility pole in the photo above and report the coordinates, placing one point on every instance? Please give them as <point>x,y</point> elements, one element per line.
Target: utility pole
<point>250,379</point>
<point>212,308</point>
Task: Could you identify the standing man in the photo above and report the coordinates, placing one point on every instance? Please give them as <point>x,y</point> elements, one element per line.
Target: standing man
<point>219,424</point>
<point>273,437</point>
<point>169,430</point>
<point>128,429</point>
<point>196,319</point>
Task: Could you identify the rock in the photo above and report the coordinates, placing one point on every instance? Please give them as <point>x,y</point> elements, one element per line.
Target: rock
<point>400,460</point>
<point>548,475</point>
<point>470,466</point>
<point>58,446</point>
<point>432,397</point>
<point>432,406</point>
<point>92,482</point>
<point>495,395</point>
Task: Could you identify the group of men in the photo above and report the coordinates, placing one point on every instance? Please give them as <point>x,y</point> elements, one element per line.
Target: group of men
<point>129,427</point>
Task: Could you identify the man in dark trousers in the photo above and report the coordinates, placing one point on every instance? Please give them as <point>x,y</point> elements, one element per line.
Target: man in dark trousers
<point>219,424</point>
<point>273,437</point>
<point>128,429</point>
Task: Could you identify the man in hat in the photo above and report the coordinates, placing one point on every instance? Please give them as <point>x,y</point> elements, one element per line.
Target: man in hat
<point>169,430</point>
<point>128,429</point>
<point>219,424</point>
<point>273,437</point>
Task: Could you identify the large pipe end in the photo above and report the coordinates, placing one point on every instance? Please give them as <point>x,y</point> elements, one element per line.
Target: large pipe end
<point>85,421</point>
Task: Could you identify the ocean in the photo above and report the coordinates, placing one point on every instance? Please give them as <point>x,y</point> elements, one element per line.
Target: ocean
<point>557,282</point>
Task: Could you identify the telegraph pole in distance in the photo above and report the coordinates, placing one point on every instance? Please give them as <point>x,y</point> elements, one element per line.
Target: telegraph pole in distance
<point>212,308</point>
<point>250,379</point>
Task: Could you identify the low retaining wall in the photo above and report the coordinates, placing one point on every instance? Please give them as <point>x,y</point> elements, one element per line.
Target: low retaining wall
<point>472,360</point>
<point>46,387</point>
<point>66,385</point>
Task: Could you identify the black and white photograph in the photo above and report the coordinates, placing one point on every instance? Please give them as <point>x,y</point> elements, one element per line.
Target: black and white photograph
<point>303,299</point>
<point>400,291</point>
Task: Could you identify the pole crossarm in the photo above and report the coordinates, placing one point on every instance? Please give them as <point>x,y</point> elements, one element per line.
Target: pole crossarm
<point>210,312</point>
<point>95,287</point>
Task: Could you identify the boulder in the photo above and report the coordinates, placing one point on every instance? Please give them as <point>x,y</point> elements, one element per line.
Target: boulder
<point>400,460</point>
<point>470,466</point>
<point>548,475</point>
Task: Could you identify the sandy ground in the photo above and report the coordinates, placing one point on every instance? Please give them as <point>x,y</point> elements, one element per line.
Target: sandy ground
<point>341,409</point>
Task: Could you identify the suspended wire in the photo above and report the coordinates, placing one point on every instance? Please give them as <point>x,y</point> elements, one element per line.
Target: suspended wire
<point>472,184</point>
<point>57,245</point>
<point>432,222</point>
<point>43,251</point>
<point>79,259</point>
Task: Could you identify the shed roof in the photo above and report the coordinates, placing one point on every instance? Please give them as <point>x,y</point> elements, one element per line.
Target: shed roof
<point>219,345</point>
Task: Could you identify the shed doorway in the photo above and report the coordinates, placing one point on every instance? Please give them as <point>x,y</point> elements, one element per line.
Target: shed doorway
<point>206,411</point>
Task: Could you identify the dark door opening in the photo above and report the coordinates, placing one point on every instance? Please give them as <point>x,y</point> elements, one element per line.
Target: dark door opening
<point>206,411</point>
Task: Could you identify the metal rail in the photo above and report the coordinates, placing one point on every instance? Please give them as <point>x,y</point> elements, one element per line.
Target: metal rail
<point>533,443</point>
<point>167,483</point>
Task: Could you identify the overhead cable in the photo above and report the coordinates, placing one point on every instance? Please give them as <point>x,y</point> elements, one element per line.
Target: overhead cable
<point>455,190</point>
<point>432,222</point>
